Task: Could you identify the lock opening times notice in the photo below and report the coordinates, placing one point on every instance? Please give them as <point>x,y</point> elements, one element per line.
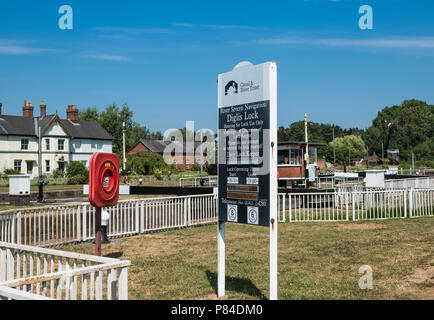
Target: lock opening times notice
<point>243,189</point>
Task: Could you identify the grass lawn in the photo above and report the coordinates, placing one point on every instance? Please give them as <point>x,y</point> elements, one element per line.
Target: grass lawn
<point>316,261</point>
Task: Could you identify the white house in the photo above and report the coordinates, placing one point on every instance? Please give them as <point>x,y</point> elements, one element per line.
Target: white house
<point>62,140</point>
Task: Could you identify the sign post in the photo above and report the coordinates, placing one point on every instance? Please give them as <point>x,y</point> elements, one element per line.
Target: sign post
<point>247,156</point>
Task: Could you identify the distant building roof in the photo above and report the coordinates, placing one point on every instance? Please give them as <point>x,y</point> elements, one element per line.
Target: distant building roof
<point>158,146</point>
<point>28,126</point>
<point>86,130</point>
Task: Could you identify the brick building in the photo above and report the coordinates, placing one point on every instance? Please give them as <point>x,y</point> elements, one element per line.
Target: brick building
<point>183,162</point>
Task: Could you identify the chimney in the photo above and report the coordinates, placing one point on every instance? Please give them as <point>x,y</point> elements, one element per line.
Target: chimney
<point>27,109</point>
<point>43,109</point>
<point>72,113</point>
<point>1,104</point>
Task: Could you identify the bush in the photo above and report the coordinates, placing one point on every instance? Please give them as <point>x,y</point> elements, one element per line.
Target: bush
<point>195,167</point>
<point>147,163</point>
<point>75,168</point>
<point>58,173</point>
<point>7,172</point>
<point>78,179</point>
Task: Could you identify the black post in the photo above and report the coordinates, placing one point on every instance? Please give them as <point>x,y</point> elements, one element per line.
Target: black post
<point>41,191</point>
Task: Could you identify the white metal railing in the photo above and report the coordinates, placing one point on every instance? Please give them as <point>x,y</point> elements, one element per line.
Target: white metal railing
<point>194,181</point>
<point>48,226</point>
<point>422,203</point>
<point>382,204</point>
<point>55,225</point>
<point>28,272</point>
<point>313,207</point>
<point>417,182</point>
<point>357,205</point>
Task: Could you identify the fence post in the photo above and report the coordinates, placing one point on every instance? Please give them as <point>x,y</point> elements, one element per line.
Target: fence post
<point>13,223</point>
<point>79,233</point>
<point>410,202</point>
<point>185,206</point>
<point>346,205</point>
<point>137,217</point>
<point>2,265</point>
<point>123,284</point>
<point>284,205</point>
<point>353,202</point>
<point>142,216</point>
<point>405,203</point>
<point>189,212</point>
<point>290,207</point>
<point>84,221</point>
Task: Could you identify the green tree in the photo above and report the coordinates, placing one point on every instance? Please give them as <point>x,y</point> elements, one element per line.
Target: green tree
<point>411,125</point>
<point>146,163</point>
<point>111,120</point>
<point>89,114</point>
<point>347,147</point>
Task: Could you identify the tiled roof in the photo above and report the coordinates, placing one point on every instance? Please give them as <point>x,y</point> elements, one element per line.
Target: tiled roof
<point>26,126</point>
<point>158,146</point>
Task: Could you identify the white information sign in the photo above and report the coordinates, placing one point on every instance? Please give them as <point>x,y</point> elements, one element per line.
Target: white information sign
<point>247,156</point>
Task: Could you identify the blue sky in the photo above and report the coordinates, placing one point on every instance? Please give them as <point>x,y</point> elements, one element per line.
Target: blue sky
<point>162,57</point>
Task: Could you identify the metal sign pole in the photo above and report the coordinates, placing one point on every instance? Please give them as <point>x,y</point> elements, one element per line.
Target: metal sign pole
<point>273,183</point>
<point>273,260</point>
<point>221,260</point>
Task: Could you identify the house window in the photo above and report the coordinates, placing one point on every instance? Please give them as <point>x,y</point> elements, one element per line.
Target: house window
<point>312,155</point>
<point>24,144</point>
<point>47,144</point>
<point>294,156</point>
<point>17,165</point>
<point>187,164</point>
<point>61,144</point>
<point>282,156</point>
<point>47,165</point>
<point>291,156</point>
<point>99,146</point>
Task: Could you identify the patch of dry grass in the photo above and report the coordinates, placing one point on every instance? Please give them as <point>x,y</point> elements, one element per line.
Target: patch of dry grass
<point>316,261</point>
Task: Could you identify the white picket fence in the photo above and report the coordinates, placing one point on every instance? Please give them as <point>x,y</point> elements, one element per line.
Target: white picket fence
<point>34,273</point>
<point>358,205</point>
<point>56,225</point>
